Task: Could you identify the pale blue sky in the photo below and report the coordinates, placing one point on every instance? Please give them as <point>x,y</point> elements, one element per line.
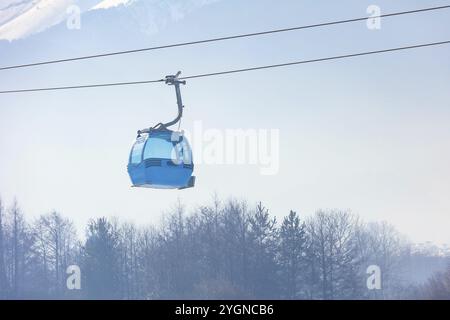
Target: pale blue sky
<point>370,134</point>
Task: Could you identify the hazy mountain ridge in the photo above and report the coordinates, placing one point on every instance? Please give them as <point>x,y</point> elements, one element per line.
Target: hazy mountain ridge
<point>431,249</point>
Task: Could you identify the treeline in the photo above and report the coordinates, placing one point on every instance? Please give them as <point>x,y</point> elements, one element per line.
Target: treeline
<point>219,251</point>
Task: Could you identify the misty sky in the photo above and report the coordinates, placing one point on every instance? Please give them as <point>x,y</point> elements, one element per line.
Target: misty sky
<point>370,134</point>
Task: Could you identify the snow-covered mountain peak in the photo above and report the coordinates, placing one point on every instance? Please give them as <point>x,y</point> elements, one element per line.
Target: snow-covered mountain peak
<point>22,18</point>
<point>106,4</point>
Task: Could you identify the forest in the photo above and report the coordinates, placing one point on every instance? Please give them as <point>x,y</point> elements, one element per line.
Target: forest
<point>227,249</point>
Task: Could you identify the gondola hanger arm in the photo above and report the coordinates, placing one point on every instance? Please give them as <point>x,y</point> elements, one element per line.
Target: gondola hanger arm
<point>175,81</point>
